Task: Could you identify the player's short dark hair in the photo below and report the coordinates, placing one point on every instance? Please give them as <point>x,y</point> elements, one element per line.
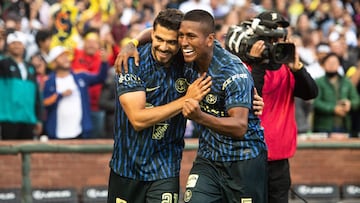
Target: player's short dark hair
<point>203,17</point>
<point>169,18</point>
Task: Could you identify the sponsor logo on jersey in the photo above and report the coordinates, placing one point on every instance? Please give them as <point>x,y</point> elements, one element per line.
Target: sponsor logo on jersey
<point>159,131</point>
<point>151,89</point>
<point>192,179</point>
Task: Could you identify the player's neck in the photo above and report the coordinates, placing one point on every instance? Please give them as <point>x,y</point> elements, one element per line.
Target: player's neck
<point>204,62</point>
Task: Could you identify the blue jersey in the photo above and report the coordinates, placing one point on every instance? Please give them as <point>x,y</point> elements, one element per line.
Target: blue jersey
<point>155,152</point>
<point>232,86</point>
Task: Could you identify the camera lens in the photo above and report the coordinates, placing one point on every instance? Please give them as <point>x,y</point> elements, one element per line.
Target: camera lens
<point>283,52</point>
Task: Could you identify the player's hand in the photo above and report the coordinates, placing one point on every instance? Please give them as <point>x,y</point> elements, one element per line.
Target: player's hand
<point>191,109</point>
<point>127,51</point>
<point>199,88</point>
<point>258,103</point>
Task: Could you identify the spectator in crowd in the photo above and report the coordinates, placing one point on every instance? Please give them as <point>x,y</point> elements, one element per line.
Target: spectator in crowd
<point>347,57</point>
<point>315,69</point>
<point>2,39</point>
<point>42,72</point>
<point>13,23</point>
<point>66,97</point>
<point>64,16</point>
<point>337,97</point>
<point>43,41</point>
<point>117,27</point>
<point>219,8</point>
<point>189,5</point>
<point>231,160</point>
<point>306,42</point>
<point>107,101</point>
<point>20,106</point>
<point>220,33</point>
<point>88,58</point>
<point>335,14</point>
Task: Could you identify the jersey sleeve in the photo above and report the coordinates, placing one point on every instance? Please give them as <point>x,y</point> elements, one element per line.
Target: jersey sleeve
<point>238,87</point>
<point>131,81</point>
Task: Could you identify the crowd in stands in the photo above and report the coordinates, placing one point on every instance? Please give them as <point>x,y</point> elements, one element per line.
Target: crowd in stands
<point>325,32</point>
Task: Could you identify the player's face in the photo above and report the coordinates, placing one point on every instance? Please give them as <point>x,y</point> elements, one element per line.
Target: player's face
<point>164,44</point>
<point>193,42</point>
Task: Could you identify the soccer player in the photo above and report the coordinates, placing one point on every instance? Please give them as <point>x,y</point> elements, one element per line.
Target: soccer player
<point>231,161</point>
<point>149,127</point>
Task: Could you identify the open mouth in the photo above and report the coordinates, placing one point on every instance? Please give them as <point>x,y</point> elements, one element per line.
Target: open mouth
<point>188,51</point>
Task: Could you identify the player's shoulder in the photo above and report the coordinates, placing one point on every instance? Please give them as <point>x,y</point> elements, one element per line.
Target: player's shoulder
<point>224,56</point>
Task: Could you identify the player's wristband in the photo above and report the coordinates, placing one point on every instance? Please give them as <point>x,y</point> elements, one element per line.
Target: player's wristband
<point>135,42</point>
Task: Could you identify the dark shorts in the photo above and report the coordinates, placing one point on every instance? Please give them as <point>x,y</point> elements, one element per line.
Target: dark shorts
<point>227,182</point>
<point>125,190</point>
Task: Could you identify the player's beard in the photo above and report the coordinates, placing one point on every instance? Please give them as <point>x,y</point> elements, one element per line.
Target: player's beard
<point>161,59</point>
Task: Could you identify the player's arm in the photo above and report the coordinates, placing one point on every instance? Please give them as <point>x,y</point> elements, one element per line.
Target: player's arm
<point>235,125</point>
<point>134,105</point>
<point>129,50</point>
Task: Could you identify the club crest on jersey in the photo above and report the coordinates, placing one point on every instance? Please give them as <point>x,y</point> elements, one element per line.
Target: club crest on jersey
<point>210,99</point>
<point>181,85</point>
<point>159,131</point>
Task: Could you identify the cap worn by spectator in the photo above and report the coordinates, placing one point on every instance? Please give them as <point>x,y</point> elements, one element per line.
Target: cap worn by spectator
<point>56,52</point>
<point>270,17</point>
<point>16,36</point>
<point>323,48</point>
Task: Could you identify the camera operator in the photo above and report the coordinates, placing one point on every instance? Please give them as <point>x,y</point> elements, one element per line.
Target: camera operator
<point>278,83</point>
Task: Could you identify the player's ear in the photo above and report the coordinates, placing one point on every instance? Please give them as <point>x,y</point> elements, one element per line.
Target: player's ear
<point>210,39</point>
